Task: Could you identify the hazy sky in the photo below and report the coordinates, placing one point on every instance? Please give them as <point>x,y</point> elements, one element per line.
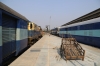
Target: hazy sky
<point>61,11</point>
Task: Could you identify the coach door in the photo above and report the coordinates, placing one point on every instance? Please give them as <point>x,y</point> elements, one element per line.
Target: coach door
<point>8,35</point>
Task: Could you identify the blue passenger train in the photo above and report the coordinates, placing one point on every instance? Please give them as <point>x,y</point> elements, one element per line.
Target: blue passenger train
<point>87,32</point>
<point>54,31</point>
<point>13,33</point>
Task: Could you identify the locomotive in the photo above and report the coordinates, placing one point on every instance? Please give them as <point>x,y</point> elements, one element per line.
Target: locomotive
<point>34,32</point>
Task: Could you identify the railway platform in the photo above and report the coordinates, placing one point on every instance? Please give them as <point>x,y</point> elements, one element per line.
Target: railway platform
<point>46,52</point>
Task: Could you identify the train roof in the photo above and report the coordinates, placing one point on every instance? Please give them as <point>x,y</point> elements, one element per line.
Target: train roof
<point>91,15</point>
<point>96,20</point>
<point>8,9</point>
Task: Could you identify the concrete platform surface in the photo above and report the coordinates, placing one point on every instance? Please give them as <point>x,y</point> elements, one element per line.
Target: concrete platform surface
<point>46,53</point>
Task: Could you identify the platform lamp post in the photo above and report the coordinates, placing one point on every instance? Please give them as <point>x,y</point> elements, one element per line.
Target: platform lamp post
<point>49,28</point>
<point>49,24</point>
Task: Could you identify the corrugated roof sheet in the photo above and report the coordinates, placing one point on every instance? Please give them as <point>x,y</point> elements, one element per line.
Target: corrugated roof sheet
<point>91,15</point>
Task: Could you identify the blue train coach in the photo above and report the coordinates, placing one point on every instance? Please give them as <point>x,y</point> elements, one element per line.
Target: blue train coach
<point>13,33</point>
<point>54,31</point>
<point>87,32</point>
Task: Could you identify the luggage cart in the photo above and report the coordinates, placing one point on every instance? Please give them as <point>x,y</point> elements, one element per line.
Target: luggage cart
<point>71,49</point>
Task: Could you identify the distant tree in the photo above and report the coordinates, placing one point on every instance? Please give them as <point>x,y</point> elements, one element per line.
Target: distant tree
<point>47,27</point>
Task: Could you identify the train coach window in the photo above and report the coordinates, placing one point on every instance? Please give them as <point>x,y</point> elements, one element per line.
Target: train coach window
<point>66,29</point>
<point>75,27</point>
<point>86,27</point>
<point>78,27</point>
<point>91,26</point>
<point>97,25</point>
<point>81,27</point>
<point>30,26</point>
